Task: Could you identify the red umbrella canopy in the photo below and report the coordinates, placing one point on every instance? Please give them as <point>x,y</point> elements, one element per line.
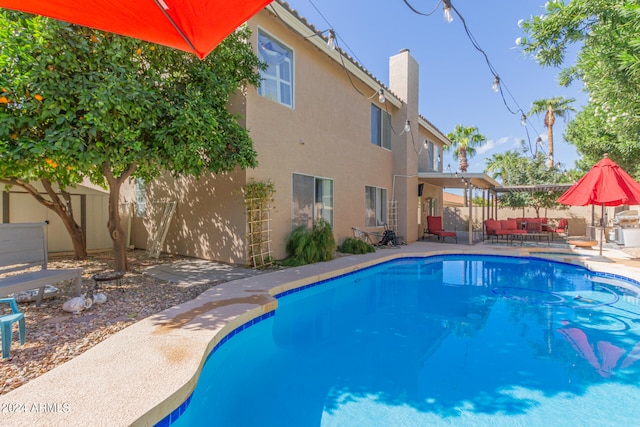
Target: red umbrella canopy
<point>605,184</point>
<point>196,26</point>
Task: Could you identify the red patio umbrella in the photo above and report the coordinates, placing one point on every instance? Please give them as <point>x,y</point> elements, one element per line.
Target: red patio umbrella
<point>606,184</point>
<point>601,355</point>
<point>196,26</point>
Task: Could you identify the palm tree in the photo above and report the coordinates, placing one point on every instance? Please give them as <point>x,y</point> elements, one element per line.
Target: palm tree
<point>552,107</point>
<point>464,141</point>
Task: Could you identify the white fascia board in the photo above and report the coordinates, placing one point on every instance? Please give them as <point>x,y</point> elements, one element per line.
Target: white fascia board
<point>429,127</point>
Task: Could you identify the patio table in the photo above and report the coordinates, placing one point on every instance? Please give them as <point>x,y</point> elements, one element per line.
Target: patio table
<point>546,235</point>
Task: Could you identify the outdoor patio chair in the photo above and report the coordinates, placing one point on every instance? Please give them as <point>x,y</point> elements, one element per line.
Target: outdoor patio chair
<point>561,228</point>
<point>434,227</point>
<point>365,236</point>
<point>491,227</point>
<point>534,227</point>
<point>6,323</point>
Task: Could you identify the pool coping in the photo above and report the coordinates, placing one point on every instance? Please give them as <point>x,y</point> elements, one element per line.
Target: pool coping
<point>143,373</point>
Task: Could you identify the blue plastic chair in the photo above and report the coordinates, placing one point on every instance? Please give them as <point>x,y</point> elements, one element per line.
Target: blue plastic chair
<point>6,323</point>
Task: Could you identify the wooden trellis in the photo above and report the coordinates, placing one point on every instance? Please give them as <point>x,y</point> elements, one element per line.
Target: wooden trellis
<point>158,235</point>
<point>393,215</point>
<point>259,232</point>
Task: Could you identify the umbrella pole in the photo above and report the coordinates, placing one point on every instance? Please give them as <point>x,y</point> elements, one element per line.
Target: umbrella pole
<point>601,229</point>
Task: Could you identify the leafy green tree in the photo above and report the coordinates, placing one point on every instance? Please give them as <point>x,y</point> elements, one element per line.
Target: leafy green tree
<point>594,139</point>
<point>608,61</point>
<point>79,103</point>
<point>524,170</point>
<point>465,140</point>
<point>552,107</point>
<point>503,165</point>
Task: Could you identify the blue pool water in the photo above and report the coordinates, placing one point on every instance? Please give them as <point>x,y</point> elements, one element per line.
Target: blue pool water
<point>439,341</point>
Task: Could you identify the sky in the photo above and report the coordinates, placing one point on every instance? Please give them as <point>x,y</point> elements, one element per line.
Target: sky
<point>455,80</point>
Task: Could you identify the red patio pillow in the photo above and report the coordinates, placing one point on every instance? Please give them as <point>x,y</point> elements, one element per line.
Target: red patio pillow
<point>508,224</point>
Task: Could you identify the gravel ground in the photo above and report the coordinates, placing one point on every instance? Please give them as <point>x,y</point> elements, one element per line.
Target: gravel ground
<point>55,336</point>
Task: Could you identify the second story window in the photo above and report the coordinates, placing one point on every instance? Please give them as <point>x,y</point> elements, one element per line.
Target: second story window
<point>429,159</point>
<point>380,127</point>
<point>277,79</point>
<point>432,163</point>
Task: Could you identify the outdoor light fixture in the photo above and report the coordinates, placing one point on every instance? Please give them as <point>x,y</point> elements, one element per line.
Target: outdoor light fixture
<point>539,140</point>
<point>331,42</point>
<point>496,84</point>
<point>446,6</point>
<point>523,120</point>
<point>381,98</point>
<point>407,127</point>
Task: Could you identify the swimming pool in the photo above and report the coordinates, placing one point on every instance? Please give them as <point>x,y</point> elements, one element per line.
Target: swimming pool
<point>463,340</point>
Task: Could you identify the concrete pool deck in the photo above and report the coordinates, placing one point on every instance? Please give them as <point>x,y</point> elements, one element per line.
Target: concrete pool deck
<point>141,374</point>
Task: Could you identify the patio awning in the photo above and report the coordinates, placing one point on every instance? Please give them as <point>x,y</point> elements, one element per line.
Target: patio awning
<point>458,180</point>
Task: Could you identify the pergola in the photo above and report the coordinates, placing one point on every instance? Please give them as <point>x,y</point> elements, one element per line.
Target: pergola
<point>533,188</point>
<point>470,181</point>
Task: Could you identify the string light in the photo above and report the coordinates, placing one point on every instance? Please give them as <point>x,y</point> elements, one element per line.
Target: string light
<point>446,7</point>
<point>381,97</point>
<point>331,41</point>
<point>496,84</point>
<point>523,120</point>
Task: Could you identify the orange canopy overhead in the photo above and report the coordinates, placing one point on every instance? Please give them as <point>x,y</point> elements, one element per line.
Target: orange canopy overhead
<point>196,26</point>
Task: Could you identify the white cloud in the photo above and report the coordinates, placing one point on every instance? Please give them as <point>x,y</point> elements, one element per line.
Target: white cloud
<point>489,145</point>
<point>503,140</point>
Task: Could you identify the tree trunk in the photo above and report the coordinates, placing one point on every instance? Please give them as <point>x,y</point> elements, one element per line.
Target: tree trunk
<point>549,121</point>
<point>462,157</point>
<point>61,205</point>
<point>116,232</point>
<point>65,212</point>
<point>114,224</point>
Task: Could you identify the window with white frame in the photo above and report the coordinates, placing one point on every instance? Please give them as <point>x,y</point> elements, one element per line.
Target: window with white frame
<point>430,159</point>
<point>277,80</point>
<point>431,155</point>
<point>375,206</point>
<point>312,200</point>
<point>430,208</point>
<point>380,127</point>
<point>141,198</point>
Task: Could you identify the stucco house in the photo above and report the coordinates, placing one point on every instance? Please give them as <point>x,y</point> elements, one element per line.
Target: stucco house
<point>329,142</point>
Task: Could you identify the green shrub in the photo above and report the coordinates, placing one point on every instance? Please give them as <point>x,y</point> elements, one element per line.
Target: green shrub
<point>352,245</point>
<point>309,246</point>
